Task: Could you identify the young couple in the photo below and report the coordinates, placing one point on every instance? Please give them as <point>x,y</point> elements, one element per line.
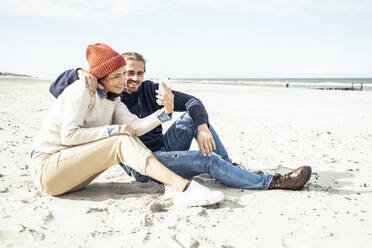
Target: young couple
<point>109,115</point>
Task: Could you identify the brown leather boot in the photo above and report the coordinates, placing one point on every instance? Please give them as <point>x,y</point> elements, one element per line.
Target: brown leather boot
<point>294,180</point>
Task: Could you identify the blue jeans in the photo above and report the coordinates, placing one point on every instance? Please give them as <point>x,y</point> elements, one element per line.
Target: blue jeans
<point>175,155</point>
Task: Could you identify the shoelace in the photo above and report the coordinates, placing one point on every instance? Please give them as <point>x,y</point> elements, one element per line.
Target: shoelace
<point>238,165</point>
<point>242,167</point>
<point>278,178</point>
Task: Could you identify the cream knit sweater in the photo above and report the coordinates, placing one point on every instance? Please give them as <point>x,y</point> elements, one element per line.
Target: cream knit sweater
<point>78,118</point>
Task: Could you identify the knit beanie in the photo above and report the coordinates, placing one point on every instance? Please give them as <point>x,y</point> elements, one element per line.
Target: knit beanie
<point>103,60</point>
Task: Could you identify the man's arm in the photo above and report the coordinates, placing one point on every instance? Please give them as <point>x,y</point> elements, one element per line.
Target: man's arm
<point>64,80</point>
<point>70,76</point>
<point>199,115</point>
<point>182,102</point>
<point>191,104</point>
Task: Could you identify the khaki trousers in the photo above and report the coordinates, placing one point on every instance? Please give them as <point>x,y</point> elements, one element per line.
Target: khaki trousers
<point>73,168</point>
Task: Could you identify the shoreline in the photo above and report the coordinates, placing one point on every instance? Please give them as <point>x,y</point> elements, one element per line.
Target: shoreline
<point>9,74</point>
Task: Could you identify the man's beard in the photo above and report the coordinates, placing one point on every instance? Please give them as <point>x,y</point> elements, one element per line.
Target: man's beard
<point>131,86</point>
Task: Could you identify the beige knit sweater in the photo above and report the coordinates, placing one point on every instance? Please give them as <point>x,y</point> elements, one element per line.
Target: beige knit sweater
<point>78,118</point>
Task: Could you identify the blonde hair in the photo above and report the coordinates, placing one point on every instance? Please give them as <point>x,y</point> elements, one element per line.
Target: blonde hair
<point>135,56</point>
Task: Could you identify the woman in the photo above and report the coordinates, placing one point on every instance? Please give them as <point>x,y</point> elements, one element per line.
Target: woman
<point>85,134</point>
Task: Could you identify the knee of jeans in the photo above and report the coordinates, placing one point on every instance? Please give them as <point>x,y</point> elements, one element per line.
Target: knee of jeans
<point>213,159</point>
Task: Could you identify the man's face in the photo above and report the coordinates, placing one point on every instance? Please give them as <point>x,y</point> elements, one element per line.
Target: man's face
<point>133,77</point>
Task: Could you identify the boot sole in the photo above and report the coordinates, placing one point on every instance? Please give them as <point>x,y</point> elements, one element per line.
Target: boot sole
<point>309,171</point>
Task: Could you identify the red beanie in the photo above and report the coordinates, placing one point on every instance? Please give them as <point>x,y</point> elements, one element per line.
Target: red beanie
<point>103,60</point>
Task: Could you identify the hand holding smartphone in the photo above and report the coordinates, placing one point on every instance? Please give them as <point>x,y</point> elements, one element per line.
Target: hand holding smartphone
<point>166,81</point>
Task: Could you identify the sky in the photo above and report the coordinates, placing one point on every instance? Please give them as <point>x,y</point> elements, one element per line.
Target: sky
<point>192,38</point>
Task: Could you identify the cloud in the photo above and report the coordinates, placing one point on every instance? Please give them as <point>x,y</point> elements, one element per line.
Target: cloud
<point>284,7</point>
<point>79,9</point>
<point>111,9</point>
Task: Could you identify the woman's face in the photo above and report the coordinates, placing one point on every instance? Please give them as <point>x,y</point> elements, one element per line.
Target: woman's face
<point>114,82</point>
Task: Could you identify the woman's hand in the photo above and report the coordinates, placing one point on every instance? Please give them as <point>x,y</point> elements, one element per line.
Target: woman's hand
<point>165,99</point>
<point>127,130</point>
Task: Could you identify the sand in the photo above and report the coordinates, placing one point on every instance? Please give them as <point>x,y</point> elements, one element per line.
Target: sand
<point>271,129</point>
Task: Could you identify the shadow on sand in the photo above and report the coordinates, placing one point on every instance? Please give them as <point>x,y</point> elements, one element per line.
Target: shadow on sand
<point>323,181</point>
<point>101,191</point>
<point>333,182</point>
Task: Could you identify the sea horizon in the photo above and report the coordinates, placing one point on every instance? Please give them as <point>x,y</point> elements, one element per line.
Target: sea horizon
<point>294,82</point>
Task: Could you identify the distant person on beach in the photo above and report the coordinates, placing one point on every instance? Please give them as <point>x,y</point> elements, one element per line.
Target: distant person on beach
<point>172,148</point>
<point>85,134</point>
<point>286,84</point>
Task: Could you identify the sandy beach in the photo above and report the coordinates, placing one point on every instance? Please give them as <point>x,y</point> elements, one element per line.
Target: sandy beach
<point>270,129</point>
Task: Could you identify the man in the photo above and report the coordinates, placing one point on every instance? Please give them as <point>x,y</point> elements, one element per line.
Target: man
<point>172,149</point>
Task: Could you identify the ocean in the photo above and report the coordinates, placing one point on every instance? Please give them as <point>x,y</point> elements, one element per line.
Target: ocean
<point>311,83</point>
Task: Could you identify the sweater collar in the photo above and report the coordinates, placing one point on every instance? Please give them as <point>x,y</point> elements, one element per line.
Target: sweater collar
<point>103,95</point>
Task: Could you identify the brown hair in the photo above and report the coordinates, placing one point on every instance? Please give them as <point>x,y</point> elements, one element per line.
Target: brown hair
<point>135,56</point>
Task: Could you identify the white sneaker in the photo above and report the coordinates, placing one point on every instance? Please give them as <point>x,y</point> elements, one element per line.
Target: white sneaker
<point>195,195</point>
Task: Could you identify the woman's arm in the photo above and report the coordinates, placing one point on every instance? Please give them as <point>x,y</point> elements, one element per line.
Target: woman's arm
<point>140,125</point>
<point>76,102</point>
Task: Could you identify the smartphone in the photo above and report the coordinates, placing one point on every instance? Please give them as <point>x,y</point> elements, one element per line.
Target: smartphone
<point>165,80</point>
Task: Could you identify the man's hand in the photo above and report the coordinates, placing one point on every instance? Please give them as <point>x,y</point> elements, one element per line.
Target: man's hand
<point>166,100</point>
<point>90,81</point>
<point>127,130</point>
<point>205,140</point>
